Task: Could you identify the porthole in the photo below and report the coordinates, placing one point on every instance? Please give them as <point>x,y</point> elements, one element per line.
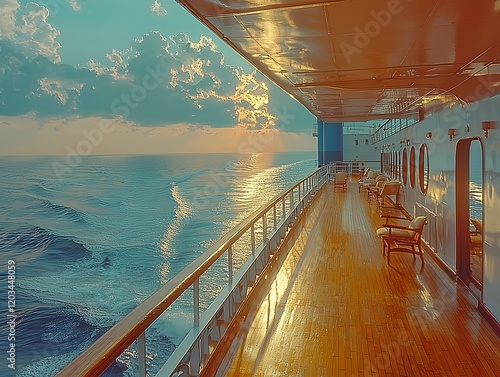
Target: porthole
<point>383,162</point>
<point>404,168</point>
<point>398,162</point>
<point>395,162</point>
<point>392,165</point>
<point>423,168</point>
<point>412,167</point>
<point>389,164</point>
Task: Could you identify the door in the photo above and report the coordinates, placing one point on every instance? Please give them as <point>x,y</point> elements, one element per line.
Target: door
<point>469,206</point>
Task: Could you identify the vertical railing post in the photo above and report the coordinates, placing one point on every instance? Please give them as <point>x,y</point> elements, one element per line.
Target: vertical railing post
<point>252,238</point>
<point>141,354</point>
<point>196,303</point>
<point>230,263</point>
<point>264,228</point>
<point>283,209</point>
<point>275,220</point>
<point>300,198</point>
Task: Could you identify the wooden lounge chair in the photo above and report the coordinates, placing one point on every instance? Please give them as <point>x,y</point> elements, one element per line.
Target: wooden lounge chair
<point>397,238</point>
<point>476,237</point>
<point>387,189</point>
<point>368,177</point>
<point>340,180</point>
<point>377,185</point>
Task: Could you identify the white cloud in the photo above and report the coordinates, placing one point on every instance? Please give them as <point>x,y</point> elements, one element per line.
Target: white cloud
<point>59,88</point>
<point>35,35</point>
<point>74,5</point>
<point>8,18</point>
<point>28,28</point>
<point>158,9</point>
<point>116,58</point>
<point>156,81</point>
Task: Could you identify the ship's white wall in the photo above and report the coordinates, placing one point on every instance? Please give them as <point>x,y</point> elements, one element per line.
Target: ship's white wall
<point>491,213</point>
<point>364,150</point>
<point>440,198</point>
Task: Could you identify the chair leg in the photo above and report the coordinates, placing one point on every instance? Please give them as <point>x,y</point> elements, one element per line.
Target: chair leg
<point>388,254</point>
<point>421,254</point>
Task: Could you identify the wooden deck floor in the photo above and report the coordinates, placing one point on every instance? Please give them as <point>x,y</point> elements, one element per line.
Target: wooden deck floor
<point>336,308</point>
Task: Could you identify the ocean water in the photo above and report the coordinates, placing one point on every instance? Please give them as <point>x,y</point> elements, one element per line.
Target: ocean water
<point>91,239</point>
<point>475,179</point>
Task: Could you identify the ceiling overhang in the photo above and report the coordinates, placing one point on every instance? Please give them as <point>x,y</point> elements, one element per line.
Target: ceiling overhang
<point>358,60</point>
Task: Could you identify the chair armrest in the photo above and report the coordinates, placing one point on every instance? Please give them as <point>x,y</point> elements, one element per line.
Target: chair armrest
<point>398,227</point>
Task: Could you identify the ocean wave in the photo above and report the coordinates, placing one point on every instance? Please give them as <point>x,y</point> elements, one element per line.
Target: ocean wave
<point>61,335</point>
<point>39,188</point>
<point>33,242</point>
<point>64,211</point>
<point>101,241</point>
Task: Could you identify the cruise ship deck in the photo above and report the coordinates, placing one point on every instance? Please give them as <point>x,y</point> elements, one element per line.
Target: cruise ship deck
<point>336,308</point>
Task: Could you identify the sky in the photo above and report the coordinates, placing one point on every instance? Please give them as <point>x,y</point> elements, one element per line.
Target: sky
<point>115,76</point>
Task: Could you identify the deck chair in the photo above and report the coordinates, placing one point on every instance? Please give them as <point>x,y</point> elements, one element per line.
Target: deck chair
<point>397,238</point>
<point>340,180</point>
<point>476,237</point>
<point>387,189</point>
<point>369,177</point>
<point>377,185</point>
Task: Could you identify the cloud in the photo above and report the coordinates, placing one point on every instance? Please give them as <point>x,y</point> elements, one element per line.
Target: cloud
<point>74,5</point>
<point>156,82</point>
<point>8,12</point>
<point>35,35</point>
<point>27,27</point>
<point>158,9</point>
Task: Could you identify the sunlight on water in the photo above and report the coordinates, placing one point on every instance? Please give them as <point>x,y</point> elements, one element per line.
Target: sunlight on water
<point>97,242</point>
<point>182,211</point>
<point>475,178</point>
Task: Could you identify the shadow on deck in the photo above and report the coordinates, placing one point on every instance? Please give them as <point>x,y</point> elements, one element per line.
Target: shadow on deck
<point>335,308</point>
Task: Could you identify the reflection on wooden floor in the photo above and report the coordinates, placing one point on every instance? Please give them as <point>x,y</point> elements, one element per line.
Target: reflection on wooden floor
<point>476,267</point>
<point>337,309</point>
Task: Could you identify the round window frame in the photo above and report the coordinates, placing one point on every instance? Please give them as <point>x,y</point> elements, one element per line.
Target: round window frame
<point>404,168</point>
<point>412,167</point>
<point>423,173</point>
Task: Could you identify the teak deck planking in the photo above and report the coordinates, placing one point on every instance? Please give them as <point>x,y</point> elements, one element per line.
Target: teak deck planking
<point>335,308</point>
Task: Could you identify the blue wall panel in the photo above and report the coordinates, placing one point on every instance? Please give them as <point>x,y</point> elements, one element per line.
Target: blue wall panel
<point>332,142</point>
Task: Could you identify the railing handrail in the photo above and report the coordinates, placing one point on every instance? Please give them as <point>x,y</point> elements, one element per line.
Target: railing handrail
<point>106,349</point>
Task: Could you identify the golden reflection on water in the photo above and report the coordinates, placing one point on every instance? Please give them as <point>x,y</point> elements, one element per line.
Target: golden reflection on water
<point>246,183</point>
<point>182,211</point>
<point>255,185</point>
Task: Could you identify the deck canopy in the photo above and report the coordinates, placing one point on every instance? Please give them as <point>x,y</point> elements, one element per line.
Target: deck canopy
<point>358,60</point>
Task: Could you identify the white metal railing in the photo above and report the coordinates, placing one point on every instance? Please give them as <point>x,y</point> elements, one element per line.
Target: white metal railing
<point>352,167</point>
<point>261,233</point>
<point>390,127</point>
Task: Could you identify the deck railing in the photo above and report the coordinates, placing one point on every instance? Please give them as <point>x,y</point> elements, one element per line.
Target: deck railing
<point>352,167</point>
<point>261,233</point>
<point>390,127</point>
